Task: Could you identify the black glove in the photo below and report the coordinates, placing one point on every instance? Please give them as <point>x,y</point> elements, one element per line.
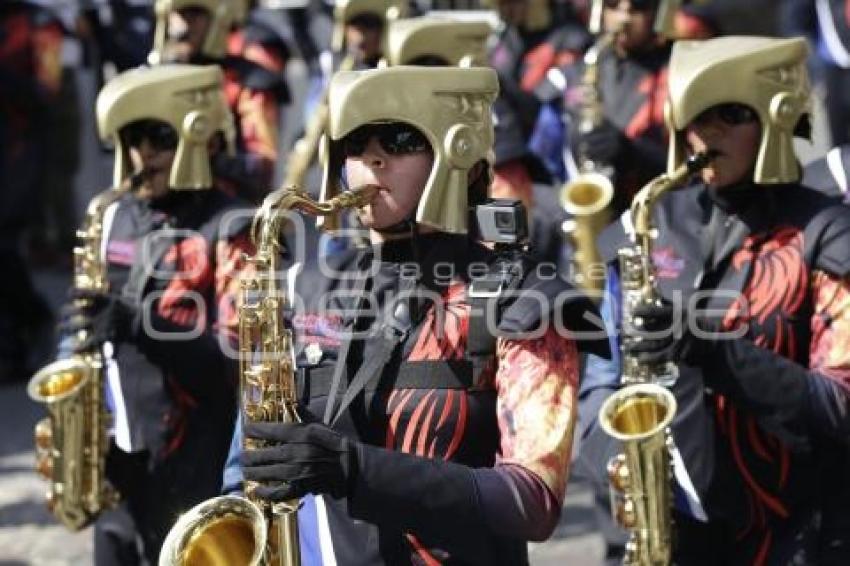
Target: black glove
<point>660,333</point>
<point>603,143</point>
<point>435,499</point>
<point>779,392</point>
<point>102,317</point>
<point>650,335</point>
<point>311,458</point>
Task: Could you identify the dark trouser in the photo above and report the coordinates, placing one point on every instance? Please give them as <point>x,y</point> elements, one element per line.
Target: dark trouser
<point>132,534</point>
<point>115,539</point>
<point>25,318</point>
<point>155,492</point>
<point>782,542</point>
<point>153,497</point>
<point>55,220</point>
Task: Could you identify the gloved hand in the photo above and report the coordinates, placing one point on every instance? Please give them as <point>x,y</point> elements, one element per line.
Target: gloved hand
<point>603,144</point>
<point>310,458</point>
<point>660,333</point>
<point>436,499</point>
<point>102,317</point>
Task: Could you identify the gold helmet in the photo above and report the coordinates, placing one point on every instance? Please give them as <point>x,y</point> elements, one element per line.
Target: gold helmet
<point>456,43</point>
<point>766,74</point>
<point>189,98</point>
<point>224,15</point>
<point>449,105</point>
<point>665,16</point>
<point>346,10</point>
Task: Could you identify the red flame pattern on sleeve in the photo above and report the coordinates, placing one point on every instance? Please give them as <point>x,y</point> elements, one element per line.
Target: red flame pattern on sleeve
<point>230,267</point>
<point>776,292</point>
<point>537,384</point>
<point>830,347</point>
<point>190,261</point>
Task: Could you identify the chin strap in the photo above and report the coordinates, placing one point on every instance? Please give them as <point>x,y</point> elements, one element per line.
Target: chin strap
<point>406,225</point>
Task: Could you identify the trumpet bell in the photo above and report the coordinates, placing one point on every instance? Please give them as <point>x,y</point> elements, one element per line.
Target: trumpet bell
<point>223,531</point>
<point>59,380</point>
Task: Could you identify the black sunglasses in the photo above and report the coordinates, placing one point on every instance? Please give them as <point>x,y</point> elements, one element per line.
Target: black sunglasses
<point>160,135</point>
<point>367,21</point>
<point>395,138</point>
<point>636,5</point>
<point>731,114</point>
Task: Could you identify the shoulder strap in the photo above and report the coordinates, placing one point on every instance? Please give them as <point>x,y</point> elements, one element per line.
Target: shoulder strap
<point>393,331</point>
<point>485,294</point>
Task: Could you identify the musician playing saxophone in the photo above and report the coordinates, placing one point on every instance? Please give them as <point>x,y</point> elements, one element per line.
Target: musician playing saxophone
<point>172,262</point>
<point>253,59</point>
<point>629,136</point>
<point>425,437</point>
<point>755,272</point>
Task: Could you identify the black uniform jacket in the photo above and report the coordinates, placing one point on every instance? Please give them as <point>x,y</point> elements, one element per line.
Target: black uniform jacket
<point>761,423</point>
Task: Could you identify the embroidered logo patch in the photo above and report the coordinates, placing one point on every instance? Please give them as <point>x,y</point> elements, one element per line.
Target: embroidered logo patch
<point>121,252</point>
<point>319,329</point>
<point>668,265</point>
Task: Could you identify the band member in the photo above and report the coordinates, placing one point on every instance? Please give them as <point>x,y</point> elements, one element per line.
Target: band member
<point>173,261</point>
<point>429,435</point>
<point>760,265</point>
<point>436,42</point>
<point>534,38</point>
<point>357,41</point>
<point>202,32</point>
<point>629,136</point>
<point>360,28</point>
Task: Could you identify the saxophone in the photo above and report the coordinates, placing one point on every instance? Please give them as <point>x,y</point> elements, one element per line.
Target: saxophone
<point>305,149</point>
<point>72,441</point>
<point>640,413</point>
<point>231,529</point>
<point>588,196</point>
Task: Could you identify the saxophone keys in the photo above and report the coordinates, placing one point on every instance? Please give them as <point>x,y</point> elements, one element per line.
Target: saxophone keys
<point>43,434</point>
<point>44,466</point>
<point>626,513</point>
<point>618,473</point>
<point>50,501</point>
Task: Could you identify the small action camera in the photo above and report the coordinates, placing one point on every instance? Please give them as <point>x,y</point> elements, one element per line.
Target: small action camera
<point>502,221</point>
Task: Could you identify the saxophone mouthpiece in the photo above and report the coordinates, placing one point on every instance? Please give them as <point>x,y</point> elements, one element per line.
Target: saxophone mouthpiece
<point>701,160</point>
<point>364,194</point>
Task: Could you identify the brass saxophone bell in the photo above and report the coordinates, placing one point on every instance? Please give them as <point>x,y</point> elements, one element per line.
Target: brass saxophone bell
<point>58,380</point>
<point>222,531</point>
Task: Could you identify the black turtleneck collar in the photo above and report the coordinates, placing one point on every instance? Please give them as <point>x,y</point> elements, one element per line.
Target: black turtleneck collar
<point>736,198</point>
<point>433,253</point>
<point>175,201</point>
<point>755,205</point>
<point>653,58</point>
<point>434,246</point>
<point>204,59</point>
